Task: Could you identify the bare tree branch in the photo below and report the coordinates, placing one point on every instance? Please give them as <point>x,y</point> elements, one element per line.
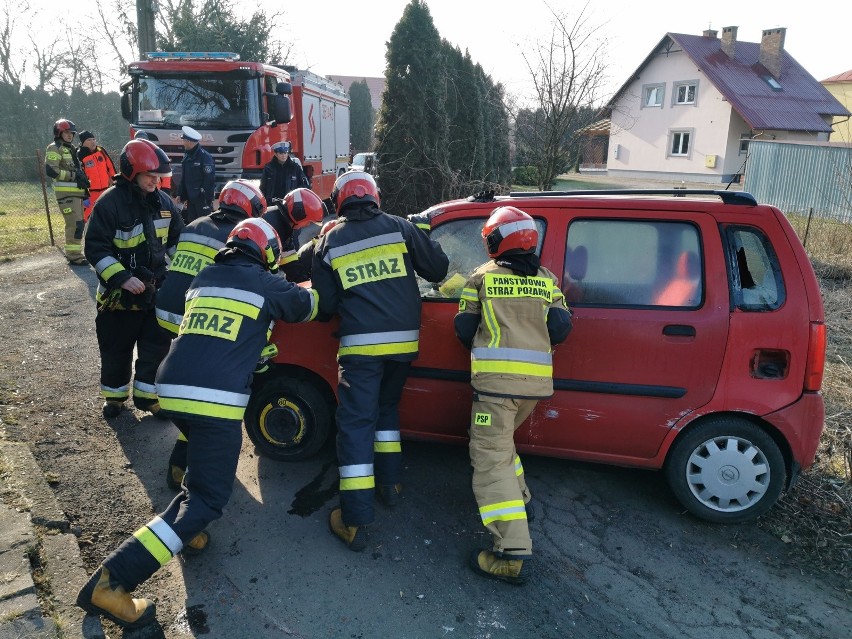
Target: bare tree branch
<point>11,72</point>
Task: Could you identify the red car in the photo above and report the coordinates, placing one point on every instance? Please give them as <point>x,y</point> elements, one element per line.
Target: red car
<point>698,346</point>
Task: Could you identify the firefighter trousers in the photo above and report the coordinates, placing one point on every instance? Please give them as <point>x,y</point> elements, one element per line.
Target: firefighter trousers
<point>368,442</point>
<point>118,333</point>
<point>214,450</point>
<point>498,476</point>
<point>72,213</point>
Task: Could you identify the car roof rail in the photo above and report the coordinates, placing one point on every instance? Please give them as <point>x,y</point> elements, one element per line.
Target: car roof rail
<point>728,197</point>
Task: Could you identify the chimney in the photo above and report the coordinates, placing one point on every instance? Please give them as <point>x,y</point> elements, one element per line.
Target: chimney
<point>729,41</point>
<point>710,33</point>
<point>771,50</point>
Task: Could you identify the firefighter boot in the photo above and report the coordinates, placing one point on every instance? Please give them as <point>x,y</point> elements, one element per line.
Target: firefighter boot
<point>355,537</point>
<point>177,465</point>
<point>390,494</point>
<point>150,406</point>
<point>112,408</point>
<point>197,544</point>
<point>103,595</point>
<point>488,564</point>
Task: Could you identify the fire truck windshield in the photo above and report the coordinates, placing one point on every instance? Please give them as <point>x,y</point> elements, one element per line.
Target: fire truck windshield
<point>201,101</point>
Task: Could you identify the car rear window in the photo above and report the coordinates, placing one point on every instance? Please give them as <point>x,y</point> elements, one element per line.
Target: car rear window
<point>633,263</point>
<point>462,242</point>
<point>756,280</point>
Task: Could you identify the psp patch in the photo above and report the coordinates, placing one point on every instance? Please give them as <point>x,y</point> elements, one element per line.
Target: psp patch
<point>482,419</point>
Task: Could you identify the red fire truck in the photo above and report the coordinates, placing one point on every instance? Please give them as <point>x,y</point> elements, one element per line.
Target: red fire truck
<point>241,109</point>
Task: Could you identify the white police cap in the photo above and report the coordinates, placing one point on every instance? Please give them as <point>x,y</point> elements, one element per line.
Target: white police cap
<point>188,133</point>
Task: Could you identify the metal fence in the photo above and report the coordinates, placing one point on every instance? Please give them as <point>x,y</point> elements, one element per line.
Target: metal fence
<point>29,215</point>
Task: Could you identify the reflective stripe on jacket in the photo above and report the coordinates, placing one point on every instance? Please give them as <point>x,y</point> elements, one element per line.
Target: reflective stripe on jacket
<point>60,163</point>
<point>98,167</point>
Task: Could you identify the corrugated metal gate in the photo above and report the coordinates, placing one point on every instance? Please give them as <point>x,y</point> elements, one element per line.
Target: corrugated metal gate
<point>799,177</point>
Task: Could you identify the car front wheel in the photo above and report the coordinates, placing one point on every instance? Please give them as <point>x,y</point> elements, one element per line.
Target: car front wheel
<point>726,470</point>
<point>287,419</point>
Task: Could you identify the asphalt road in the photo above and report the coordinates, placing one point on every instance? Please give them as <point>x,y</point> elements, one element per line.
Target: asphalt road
<point>615,556</point>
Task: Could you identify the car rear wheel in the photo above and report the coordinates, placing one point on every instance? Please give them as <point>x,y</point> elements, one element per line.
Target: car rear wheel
<point>287,419</point>
<point>726,470</point>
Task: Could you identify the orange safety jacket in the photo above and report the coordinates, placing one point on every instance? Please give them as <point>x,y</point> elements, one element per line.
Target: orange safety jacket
<point>98,167</point>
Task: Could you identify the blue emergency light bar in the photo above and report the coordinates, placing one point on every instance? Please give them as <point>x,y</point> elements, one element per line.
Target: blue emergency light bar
<point>192,55</point>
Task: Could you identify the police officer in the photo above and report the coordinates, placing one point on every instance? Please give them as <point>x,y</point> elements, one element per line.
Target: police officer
<point>364,269</point>
<point>204,385</point>
<point>98,166</point>
<point>198,177</point>
<point>69,185</point>
<point>133,227</point>
<point>282,173</point>
<point>511,312</point>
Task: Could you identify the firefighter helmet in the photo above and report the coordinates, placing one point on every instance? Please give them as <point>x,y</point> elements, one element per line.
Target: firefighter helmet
<point>256,238</point>
<point>303,207</point>
<point>141,135</point>
<point>509,230</point>
<point>60,126</point>
<point>143,156</point>
<point>354,187</point>
<point>242,197</point>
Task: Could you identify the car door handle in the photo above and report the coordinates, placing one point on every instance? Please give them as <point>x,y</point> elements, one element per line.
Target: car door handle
<point>679,330</point>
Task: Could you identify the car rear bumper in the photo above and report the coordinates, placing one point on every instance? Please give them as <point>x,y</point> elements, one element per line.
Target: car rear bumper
<point>801,423</point>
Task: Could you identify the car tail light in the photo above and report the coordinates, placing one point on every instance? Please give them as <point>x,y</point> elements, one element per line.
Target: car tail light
<point>816,357</point>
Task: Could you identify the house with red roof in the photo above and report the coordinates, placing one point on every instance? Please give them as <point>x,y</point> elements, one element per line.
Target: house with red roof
<point>840,86</point>
<point>690,110</point>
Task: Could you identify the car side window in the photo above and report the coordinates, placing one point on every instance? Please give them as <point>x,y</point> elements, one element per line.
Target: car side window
<point>756,281</point>
<point>633,263</point>
<point>462,242</point>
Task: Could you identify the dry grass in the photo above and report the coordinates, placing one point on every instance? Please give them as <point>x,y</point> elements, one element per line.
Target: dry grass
<point>817,515</point>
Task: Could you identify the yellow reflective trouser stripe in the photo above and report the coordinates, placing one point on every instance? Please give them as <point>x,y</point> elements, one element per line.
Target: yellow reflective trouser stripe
<point>379,349</point>
<point>357,483</point>
<point>115,393</point>
<point>205,409</point>
<point>153,545</point>
<point>182,437</point>
<point>387,447</point>
<point>519,467</point>
<point>73,247</point>
<point>145,391</point>
<point>503,511</point>
<point>511,368</point>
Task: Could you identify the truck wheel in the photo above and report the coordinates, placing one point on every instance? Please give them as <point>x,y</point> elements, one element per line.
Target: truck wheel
<point>287,419</point>
<point>726,470</point>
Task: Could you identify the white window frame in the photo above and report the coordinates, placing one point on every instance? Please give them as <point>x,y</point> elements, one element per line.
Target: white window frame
<point>745,138</point>
<point>658,89</point>
<point>673,134</point>
<point>685,84</point>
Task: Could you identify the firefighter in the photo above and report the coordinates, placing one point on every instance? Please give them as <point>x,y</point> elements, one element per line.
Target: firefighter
<point>198,177</point>
<point>98,166</point>
<point>511,313</point>
<point>364,270</point>
<point>133,227</point>
<point>305,255</point>
<point>204,385</point>
<point>282,173</point>
<point>165,181</point>
<point>299,209</point>
<point>69,185</point>
<point>198,245</point>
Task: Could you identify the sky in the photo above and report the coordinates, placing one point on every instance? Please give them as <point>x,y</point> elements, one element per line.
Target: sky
<point>340,37</point>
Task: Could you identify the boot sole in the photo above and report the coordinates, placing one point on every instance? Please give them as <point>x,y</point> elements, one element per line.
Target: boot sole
<point>84,601</point>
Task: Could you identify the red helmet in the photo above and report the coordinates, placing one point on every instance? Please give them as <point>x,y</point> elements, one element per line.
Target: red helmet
<point>256,238</point>
<point>242,197</point>
<point>327,227</point>
<point>509,229</point>
<point>354,187</point>
<point>60,126</point>
<point>143,156</point>
<point>303,207</point>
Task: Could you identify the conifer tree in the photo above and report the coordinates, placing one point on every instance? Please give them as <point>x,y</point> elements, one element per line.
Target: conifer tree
<point>361,116</point>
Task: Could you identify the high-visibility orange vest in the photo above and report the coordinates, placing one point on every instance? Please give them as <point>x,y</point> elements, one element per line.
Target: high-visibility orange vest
<point>99,169</point>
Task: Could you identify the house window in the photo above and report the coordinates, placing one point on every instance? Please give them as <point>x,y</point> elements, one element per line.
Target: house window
<point>652,95</point>
<point>685,92</point>
<point>680,143</point>
<point>745,138</point>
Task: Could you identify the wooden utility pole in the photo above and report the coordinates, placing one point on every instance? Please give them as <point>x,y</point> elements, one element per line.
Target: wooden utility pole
<point>145,10</point>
